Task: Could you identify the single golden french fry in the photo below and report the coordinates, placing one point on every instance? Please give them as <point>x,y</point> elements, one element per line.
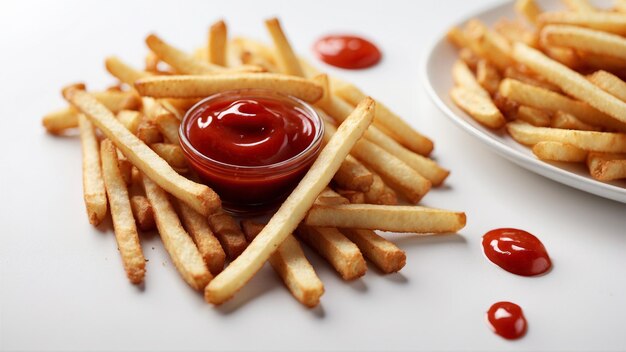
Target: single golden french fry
<point>173,154</point>
<point>395,218</point>
<point>481,108</point>
<point>570,122</point>
<point>251,52</point>
<point>351,196</point>
<point>493,46</point>
<point>292,266</point>
<point>285,57</point>
<point>525,77</point>
<point>471,60</point>
<point>352,174</point>
<point>389,197</point>
<point>565,56</point>
<point>593,61</point>
<point>609,83</point>
<point>604,21</point>
<point>547,100</point>
<point>179,245</point>
<point>557,151</point>
<point>123,222</point>
<point>579,5</point>
<point>208,245</point>
<point>125,166</point>
<point>488,76</point>
<point>203,86</point>
<point>93,185</point>
<point>122,71</point>
<point>218,38</point>
<point>130,119</point>
<point>585,39</point>
<point>376,191</point>
<point>328,197</point>
<point>152,63</point>
<point>528,9</point>
<point>294,208</point>
<point>516,31</point>
<point>343,255</point>
<point>606,142</point>
<point>533,116</point>
<point>457,37</point>
<point>142,212</point>
<point>148,132</point>
<point>199,197</point>
<point>168,125</point>
<point>383,253</point>
<point>607,167</point>
<point>570,81</point>
<point>385,118</point>
<point>228,233</point>
<point>464,77</point>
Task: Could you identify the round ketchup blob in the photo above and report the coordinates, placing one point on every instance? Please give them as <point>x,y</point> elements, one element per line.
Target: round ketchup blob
<point>516,251</point>
<point>347,51</point>
<point>507,320</point>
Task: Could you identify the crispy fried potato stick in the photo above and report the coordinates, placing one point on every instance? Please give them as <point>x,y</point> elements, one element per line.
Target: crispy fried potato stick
<point>383,253</point>
<point>218,38</point>
<point>330,197</point>
<point>585,39</point>
<point>533,116</point>
<point>293,210</point>
<point>130,119</point>
<point>604,21</point>
<point>343,255</point>
<point>464,77</point>
<point>587,140</point>
<point>168,125</point>
<point>529,9</point>
<point>385,118</point>
<point>543,99</point>
<point>570,81</point>
<point>479,107</point>
<point>488,76</point>
<point>376,191</point>
<point>353,175</point>
<point>142,212</point>
<point>93,185</point>
<point>203,86</point>
<point>610,83</point>
<point>607,167</point>
<point>352,196</point>
<point>179,245</point>
<point>123,222</point>
<point>148,132</point>
<point>292,266</point>
<point>208,245</point>
<point>228,233</point>
<point>125,166</point>
<point>570,122</point>
<point>172,154</point>
<point>122,71</point>
<point>525,77</point>
<point>493,46</point>
<point>557,151</point>
<point>387,218</point>
<point>199,197</point>
<point>287,60</point>
<point>516,31</point>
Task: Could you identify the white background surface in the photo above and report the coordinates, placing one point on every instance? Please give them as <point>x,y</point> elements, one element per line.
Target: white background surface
<point>62,285</point>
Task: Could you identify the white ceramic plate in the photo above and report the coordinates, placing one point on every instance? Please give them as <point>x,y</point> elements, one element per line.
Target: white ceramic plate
<point>438,81</point>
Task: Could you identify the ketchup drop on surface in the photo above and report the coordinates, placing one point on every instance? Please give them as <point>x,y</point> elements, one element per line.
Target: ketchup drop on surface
<point>507,320</point>
<point>516,251</point>
<point>347,51</point>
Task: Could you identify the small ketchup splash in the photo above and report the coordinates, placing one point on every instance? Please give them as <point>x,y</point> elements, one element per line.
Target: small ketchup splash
<point>347,51</point>
<point>516,251</point>
<point>507,320</point>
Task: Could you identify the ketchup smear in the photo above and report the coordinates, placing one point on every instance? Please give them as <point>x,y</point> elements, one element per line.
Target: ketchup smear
<point>507,320</point>
<point>347,51</point>
<point>516,251</point>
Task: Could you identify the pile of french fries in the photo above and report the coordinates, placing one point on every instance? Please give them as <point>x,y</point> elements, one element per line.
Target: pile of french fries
<point>555,80</point>
<point>134,170</point>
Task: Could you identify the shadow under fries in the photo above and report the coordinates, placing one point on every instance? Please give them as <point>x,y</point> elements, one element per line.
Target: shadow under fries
<point>397,278</point>
<point>358,285</point>
<point>404,240</point>
<point>262,283</point>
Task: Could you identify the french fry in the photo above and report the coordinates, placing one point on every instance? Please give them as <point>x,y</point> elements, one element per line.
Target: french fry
<point>389,197</point>
<point>130,119</point>
<point>557,151</point>
<point>203,86</point>
<point>376,191</point>
<point>142,212</point>
<point>148,132</point>
<point>464,77</point>
<point>168,125</point>
<point>528,9</point>
<point>179,245</point>
<point>152,63</point>
<point>218,38</point>
<point>252,52</point>
<point>385,118</point>
<point>604,21</point>
<point>199,197</point>
<point>592,61</point>
<point>488,76</point>
<point>606,142</point>
<point>565,56</point>
<point>383,253</point>
<point>353,175</point>
<point>228,233</point>
<point>547,100</point>
<point>172,154</point>
<point>479,107</point>
<point>59,121</point>
<point>533,116</point>
<point>330,197</point>
<point>609,83</point>
<point>292,266</point>
<point>458,38</point>
<point>93,185</point>
<point>607,167</point>
<point>570,81</point>
<point>525,77</point>
<point>515,31</point>
<point>293,210</point>
<point>620,6</point>
<point>387,218</point>
<point>570,122</point>
<point>579,5</point>
<point>493,46</point>
<point>343,255</point>
<point>208,245</point>
<point>125,166</point>
<point>123,222</point>
<point>352,196</point>
<point>122,71</point>
<point>287,61</point>
<point>470,59</point>
<point>585,39</point>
